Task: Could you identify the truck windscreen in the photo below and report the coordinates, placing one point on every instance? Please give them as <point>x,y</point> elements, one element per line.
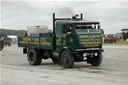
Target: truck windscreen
<point>86,28</point>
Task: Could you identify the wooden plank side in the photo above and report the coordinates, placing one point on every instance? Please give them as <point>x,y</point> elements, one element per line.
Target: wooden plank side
<point>46,43</point>
<point>36,42</point>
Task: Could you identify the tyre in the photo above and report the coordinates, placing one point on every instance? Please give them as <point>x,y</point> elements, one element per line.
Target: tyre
<point>1,46</point>
<point>96,60</point>
<point>67,60</point>
<point>104,41</point>
<point>114,41</point>
<point>33,58</point>
<point>55,61</point>
<point>110,41</point>
<point>9,44</point>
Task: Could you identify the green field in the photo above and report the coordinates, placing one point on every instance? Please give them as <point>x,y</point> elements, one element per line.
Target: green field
<point>121,42</point>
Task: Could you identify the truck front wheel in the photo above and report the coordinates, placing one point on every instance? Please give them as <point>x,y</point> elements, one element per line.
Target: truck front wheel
<point>96,60</point>
<point>67,59</point>
<point>33,58</point>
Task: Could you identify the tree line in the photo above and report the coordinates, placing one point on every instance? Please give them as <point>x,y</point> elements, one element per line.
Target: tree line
<point>12,32</point>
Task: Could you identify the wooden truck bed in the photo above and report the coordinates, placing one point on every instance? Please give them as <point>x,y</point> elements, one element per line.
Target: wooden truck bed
<point>36,42</point>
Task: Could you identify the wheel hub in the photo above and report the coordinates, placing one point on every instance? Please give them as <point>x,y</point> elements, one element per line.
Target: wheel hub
<point>31,57</point>
<point>65,59</point>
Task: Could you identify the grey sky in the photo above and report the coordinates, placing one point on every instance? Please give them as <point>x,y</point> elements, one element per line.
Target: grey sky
<point>19,14</point>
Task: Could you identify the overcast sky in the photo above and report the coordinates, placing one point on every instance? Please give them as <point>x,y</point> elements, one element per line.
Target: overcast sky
<point>19,14</point>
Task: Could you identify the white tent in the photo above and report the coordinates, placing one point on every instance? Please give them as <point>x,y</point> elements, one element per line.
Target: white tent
<point>13,37</point>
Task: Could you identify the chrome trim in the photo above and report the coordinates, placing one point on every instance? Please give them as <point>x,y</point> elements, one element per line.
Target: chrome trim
<point>91,49</point>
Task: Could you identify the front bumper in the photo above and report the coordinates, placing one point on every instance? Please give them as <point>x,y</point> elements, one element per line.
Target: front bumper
<point>91,49</point>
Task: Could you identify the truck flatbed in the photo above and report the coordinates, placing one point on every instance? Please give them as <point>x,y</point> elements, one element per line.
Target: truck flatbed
<point>36,42</point>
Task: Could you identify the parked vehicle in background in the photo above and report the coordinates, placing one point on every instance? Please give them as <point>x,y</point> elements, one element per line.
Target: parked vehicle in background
<point>13,39</point>
<point>7,41</point>
<point>1,43</point>
<point>125,34</point>
<point>110,39</point>
<point>4,40</point>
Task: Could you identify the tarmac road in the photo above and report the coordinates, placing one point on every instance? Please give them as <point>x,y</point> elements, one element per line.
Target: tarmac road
<point>15,69</point>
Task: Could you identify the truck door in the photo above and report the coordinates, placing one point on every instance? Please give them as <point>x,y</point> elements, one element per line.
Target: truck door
<point>69,32</point>
<point>64,37</point>
<point>60,36</point>
<point>71,37</point>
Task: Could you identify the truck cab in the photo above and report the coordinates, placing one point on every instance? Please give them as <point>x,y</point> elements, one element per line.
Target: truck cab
<point>78,35</point>
<point>78,38</point>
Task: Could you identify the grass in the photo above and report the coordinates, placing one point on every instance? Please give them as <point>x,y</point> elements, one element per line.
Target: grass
<point>121,42</point>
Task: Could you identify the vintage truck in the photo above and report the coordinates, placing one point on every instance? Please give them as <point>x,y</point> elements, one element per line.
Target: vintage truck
<point>72,40</point>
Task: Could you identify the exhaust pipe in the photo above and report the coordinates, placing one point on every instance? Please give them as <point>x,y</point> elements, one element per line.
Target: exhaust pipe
<point>81,16</point>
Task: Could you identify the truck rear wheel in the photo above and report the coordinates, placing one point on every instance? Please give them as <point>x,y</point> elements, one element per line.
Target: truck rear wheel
<point>96,60</point>
<point>33,58</point>
<point>67,60</point>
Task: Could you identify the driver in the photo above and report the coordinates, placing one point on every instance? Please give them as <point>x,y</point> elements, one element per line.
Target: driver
<point>69,30</point>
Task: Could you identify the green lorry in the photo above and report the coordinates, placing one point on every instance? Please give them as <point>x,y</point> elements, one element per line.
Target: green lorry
<point>72,40</point>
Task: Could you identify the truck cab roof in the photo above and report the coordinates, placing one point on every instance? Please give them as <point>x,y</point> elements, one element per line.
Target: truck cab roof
<point>76,21</point>
<point>124,29</point>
